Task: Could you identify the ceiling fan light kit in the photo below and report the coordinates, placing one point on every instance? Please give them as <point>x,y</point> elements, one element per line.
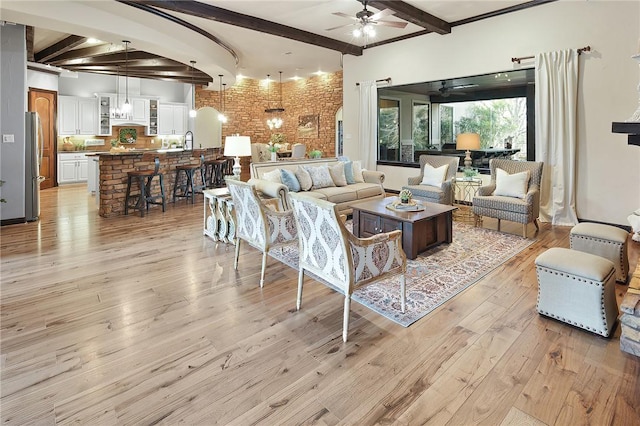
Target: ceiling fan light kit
<point>365,22</point>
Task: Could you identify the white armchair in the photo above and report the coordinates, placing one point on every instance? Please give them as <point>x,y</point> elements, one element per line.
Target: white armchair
<point>257,224</point>
<point>343,261</point>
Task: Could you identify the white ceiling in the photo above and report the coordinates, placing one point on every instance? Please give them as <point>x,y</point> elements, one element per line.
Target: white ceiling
<point>258,53</point>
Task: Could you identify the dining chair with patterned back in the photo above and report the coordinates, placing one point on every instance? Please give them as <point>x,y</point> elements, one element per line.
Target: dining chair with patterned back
<point>259,225</point>
<point>341,260</point>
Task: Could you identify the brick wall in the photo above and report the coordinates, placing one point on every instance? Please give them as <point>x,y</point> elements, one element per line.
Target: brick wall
<point>246,101</point>
<point>113,176</point>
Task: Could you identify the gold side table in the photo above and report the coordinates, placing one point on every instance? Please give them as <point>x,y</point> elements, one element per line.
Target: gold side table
<point>464,189</point>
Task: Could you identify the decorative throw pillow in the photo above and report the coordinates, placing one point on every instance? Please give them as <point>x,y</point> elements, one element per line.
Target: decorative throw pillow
<point>337,174</point>
<point>273,176</point>
<point>434,176</point>
<point>304,178</point>
<point>289,178</point>
<point>515,185</point>
<point>357,172</point>
<point>348,172</point>
<point>320,177</point>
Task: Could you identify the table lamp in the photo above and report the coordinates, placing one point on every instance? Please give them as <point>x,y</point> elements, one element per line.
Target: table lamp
<point>468,141</point>
<point>237,146</point>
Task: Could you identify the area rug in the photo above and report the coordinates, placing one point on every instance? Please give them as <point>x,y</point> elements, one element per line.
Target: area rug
<point>436,275</point>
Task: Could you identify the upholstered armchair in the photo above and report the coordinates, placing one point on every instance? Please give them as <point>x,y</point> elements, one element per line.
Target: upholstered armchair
<point>503,200</point>
<point>257,224</point>
<point>342,261</point>
<point>298,150</point>
<point>436,189</point>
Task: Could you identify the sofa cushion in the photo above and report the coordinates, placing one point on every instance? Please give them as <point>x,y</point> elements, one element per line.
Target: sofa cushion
<point>289,178</point>
<point>304,178</point>
<point>511,185</point>
<point>348,172</point>
<point>357,171</point>
<point>337,174</point>
<point>366,190</point>
<point>273,176</point>
<point>434,176</point>
<point>320,177</point>
<point>510,204</point>
<point>338,195</point>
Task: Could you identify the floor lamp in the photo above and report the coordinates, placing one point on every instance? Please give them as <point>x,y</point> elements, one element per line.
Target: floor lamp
<point>468,141</point>
<point>237,146</point>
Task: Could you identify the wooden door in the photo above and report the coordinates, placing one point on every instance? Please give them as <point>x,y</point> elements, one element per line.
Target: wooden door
<point>44,103</point>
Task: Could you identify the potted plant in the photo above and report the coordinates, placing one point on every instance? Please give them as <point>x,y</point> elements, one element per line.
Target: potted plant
<point>405,196</point>
<point>316,153</point>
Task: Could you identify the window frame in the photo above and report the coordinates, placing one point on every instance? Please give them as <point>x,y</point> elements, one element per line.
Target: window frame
<point>399,102</point>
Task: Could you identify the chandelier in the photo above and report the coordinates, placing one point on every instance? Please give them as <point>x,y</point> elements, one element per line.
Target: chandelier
<point>274,122</point>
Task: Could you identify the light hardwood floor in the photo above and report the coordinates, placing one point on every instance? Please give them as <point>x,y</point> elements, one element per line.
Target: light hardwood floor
<point>143,320</point>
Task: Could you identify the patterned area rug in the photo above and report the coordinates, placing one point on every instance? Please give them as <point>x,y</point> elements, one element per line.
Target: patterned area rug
<point>436,275</point>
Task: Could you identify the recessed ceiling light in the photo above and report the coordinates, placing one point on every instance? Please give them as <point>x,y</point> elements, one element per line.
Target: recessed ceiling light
<point>319,72</point>
<point>296,78</point>
<point>93,40</point>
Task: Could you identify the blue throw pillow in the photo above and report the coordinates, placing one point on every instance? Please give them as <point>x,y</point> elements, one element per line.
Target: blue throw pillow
<point>289,178</point>
<point>348,172</point>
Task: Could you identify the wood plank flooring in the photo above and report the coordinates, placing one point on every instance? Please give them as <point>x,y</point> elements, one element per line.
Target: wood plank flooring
<point>136,320</point>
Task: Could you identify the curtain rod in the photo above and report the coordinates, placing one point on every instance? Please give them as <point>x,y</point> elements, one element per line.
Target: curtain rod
<point>580,51</point>
<point>388,80</point>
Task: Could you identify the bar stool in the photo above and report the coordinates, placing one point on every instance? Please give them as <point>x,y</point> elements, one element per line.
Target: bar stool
<point>213,170</point>
<point>189,188</point>
<point>144,198</point>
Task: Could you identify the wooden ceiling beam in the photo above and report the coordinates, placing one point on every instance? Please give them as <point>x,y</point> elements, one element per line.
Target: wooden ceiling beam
<point>412,14</point>
<point>213,13</point>
<point>60,47</point>
<point>87,52</point>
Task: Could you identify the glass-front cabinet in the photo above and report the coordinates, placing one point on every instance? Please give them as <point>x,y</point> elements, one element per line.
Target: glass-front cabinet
<point>104,115</point>
<point>152,130</point>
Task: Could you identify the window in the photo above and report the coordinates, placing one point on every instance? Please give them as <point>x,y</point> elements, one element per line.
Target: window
<point>421,125</point>
<point>388,129</point>
<point>499,107</point>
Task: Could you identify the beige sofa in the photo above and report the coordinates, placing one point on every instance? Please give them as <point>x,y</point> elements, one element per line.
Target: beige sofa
<point>343,196</point>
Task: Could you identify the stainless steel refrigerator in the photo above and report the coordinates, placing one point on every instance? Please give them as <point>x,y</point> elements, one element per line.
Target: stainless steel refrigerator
<point>33,157</point>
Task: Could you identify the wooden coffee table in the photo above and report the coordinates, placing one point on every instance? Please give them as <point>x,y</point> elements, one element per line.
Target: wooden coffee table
<point>420,230</point>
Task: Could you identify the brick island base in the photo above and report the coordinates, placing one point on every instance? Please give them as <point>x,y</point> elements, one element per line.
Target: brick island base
<point>114,168</point>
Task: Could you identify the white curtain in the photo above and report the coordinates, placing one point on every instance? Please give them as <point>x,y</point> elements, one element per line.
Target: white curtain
<point>368,124</point>
<point>556,127</point>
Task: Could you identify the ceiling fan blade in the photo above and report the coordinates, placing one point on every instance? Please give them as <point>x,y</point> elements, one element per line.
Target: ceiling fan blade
<point>381,14</point>
<point>339,26</point>
<point>344,15</point>
<point>394,24</point>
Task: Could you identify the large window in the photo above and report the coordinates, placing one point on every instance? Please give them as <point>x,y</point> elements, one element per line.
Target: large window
<point>388,129</point>
<point>424,118</point>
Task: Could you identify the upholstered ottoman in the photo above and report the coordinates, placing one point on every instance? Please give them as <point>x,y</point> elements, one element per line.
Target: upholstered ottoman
<point>603,240</point>
<point>577,288</point>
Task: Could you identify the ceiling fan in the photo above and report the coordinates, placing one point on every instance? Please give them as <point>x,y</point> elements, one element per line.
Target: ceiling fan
<point>365,20</point>
<point>444,90</point>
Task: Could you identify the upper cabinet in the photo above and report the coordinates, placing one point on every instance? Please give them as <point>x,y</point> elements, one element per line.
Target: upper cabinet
<point>77,116</point>
<point>140,111</point>
<point>172,119</point>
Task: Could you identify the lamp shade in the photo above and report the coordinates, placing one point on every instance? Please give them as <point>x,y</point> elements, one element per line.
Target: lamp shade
<point>467,141</point>
<point>237,146</point>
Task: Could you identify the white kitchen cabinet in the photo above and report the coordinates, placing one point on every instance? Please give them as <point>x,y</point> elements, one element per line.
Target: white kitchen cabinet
<point>140,111</point>
<point>172,119</point>
<point>77,116</point>
<point>72,168</point>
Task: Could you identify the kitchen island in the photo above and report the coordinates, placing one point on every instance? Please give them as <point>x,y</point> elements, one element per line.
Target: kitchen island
<point>114,166</point>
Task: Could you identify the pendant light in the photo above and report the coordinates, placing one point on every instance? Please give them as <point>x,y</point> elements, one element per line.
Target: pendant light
<point>115,111</point>
<point>193,112</point>
<point>221,117</point>
<point>126,108</point>
<point>274,122</point>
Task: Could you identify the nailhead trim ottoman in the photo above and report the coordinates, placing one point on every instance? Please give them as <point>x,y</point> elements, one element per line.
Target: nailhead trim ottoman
<point>577,288</point>
<point>603,240</point>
